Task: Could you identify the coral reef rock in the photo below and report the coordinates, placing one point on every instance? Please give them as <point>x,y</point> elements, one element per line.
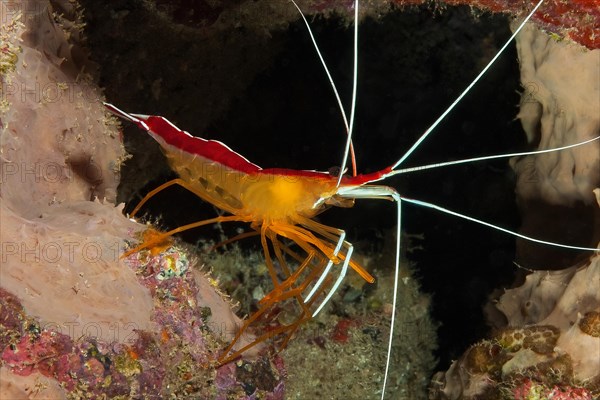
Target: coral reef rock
<point>559,106</point>
<point>574,20</point>
<point>59,152</point>
<point>548,344</point>
<point>552,342</point>
<point>551,345</point>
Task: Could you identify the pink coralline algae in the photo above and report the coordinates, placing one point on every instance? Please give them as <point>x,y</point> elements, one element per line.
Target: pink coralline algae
<point>186,340</point>
<point>28,348</point>
<point>178,359</point>
<point>56,355</point>
<point>578,20</point>
<point>529,389</point>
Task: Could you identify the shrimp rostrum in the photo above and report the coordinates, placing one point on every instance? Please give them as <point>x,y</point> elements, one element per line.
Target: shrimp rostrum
<point>306,260</point>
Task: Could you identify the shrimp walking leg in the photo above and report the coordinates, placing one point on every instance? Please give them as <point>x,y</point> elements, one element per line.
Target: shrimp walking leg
<point>160,238</point>
<point>288,288</point>
<point>152,193</point>
<point>235,239</point>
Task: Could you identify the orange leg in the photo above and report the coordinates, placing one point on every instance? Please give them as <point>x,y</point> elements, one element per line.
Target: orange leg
<point>260,311</point>
<point>291,253</point>
<point>282,291</point>
<point>279,254</point>
<point>326,231</point>
<point>161,237</point>
<point>304,239</point>
<point>268,302</point>
<point>332,246</point>
<point>288,330</point>
<point>235,239</point>
<point>162,187</point>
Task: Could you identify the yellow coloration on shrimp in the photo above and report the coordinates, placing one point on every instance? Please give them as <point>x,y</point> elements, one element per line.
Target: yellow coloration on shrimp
<point>275,198</point>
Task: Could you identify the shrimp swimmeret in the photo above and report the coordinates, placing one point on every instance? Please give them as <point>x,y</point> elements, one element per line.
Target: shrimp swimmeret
<point>280,206</point>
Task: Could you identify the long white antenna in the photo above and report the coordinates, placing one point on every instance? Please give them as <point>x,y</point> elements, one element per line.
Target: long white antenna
<point>467,90</point>
<point>492,157</point>
<point>499,228</point>
<point>349,125</point>
<point>387,193</point>
<point>398,201</point>
<point>353,106</point>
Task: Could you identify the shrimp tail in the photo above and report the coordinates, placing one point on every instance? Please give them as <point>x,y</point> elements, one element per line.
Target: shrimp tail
<point>137,119</point>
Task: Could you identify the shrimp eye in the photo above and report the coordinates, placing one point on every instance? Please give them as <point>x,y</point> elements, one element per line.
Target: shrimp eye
<point>334,171</point>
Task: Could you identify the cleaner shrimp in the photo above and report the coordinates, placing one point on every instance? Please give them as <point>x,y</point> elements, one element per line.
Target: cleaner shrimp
<point>280,205</point>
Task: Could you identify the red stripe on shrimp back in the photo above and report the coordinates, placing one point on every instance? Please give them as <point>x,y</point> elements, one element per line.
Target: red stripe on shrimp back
<point>210,149</point>
<point>215,150</point>
<point>160,127</point>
